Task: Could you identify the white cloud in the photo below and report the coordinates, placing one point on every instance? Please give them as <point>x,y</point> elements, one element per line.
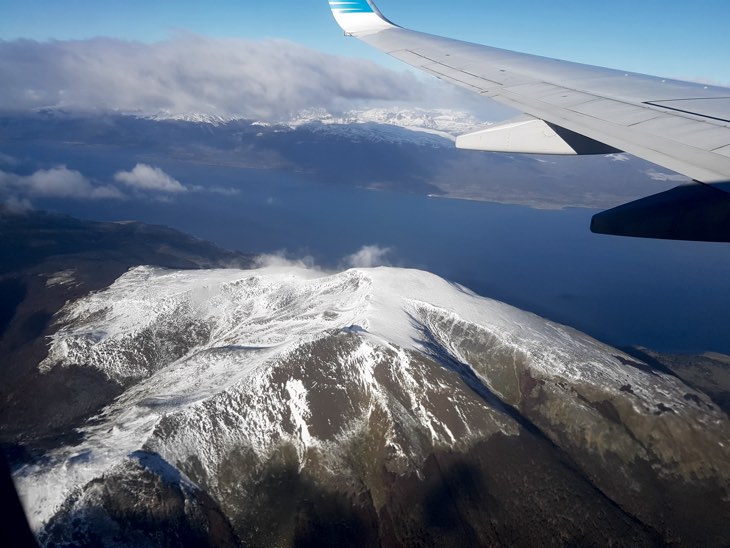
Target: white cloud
<point>57,182</point>
<point>618,157</point>
<point>655,175</point>
<point>192,74</point>
<point>281,259</point>
<point>222,190</point>
<point>8,160</point>
<point>146,177</point>
<point>368,256</point>
<point>15,206</point>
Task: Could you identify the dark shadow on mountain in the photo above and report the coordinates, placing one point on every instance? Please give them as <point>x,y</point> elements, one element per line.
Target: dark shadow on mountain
<point>143,501</point>
<point>32,328</point>
<point>649,365</point>
<point>329,519</point>
<point>12,293</point>
<point>569,462</point>
<point>705,373</point>
<point>442,356</point>
<point>15,530</point>
<point>460,485</point>
<point>46,409</point>
<point>279,503</point>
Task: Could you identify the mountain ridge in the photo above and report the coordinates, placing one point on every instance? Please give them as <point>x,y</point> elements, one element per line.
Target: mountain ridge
<point>332,374</point>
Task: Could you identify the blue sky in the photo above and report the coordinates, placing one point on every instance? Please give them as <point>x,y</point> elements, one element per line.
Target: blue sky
<point>679,39</point>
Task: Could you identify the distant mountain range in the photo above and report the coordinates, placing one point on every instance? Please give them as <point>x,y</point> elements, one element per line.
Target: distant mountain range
<point>442,122</point>
<point>284,405</point>
<point>404,150</point>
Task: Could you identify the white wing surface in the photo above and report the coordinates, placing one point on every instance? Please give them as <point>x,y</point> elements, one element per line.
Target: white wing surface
<point>572,108</point>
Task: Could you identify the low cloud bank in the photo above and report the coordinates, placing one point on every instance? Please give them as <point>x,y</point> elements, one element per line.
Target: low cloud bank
<point>60,182</point>
<point>57,182</point>
<point>192,74</point>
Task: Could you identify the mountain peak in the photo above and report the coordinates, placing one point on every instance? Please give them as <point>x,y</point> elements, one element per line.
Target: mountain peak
<point>293,363</point>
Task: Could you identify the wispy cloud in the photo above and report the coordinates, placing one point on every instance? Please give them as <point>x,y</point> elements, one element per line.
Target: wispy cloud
<point>189,73</point>
<point>655,175</point>
<point>618,157</point>
<point>7,160</point>
<point>15,206</point>
<point>281,258</point>
<point>57,182</point>
<point>368,256</point>
<point>222,190</point>
<point>146,177</point>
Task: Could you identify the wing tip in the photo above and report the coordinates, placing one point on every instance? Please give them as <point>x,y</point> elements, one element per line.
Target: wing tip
<point>358,17</point>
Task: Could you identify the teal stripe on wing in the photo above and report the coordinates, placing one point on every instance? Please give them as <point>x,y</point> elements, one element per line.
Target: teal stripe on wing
<point>351,6</point>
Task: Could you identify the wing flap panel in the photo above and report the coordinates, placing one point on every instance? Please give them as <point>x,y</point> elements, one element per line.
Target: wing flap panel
<point>566,98</point>
<point>725,151</point>
<point>521,135</point>
<point>528,135</point>
<point>413,59</point>
<point>620,113</point>
<point>715,108</point>
<point>458,76</point>
<point>678,156</point>
<point>698,134</point>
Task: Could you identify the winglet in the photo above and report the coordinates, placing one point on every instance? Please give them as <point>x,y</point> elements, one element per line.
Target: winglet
<point>359,17</point>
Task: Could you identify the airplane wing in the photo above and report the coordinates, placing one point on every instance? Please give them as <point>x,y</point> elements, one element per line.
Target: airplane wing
<point>572,108</point>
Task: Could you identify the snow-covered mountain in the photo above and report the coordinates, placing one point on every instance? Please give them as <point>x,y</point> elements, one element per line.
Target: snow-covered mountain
<point>429,127</point>
<point>442,122</point>
<point>287,405</point>
<point>195,118</point>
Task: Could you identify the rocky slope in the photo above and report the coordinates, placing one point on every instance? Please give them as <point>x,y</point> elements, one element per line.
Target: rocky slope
<point>45,261</point>
<point>285,405</point>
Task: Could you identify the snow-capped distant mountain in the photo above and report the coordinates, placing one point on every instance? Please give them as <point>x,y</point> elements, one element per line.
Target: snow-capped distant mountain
<point>359,124</point>
<point>195,118</point>
<point>370,406</point>
<point>432,128</point>
<point>442,122</point>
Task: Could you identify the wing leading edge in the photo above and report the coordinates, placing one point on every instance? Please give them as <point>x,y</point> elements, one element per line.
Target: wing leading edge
<point>571,108</point>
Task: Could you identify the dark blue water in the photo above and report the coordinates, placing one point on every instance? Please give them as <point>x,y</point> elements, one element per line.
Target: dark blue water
<point>668,296</point>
